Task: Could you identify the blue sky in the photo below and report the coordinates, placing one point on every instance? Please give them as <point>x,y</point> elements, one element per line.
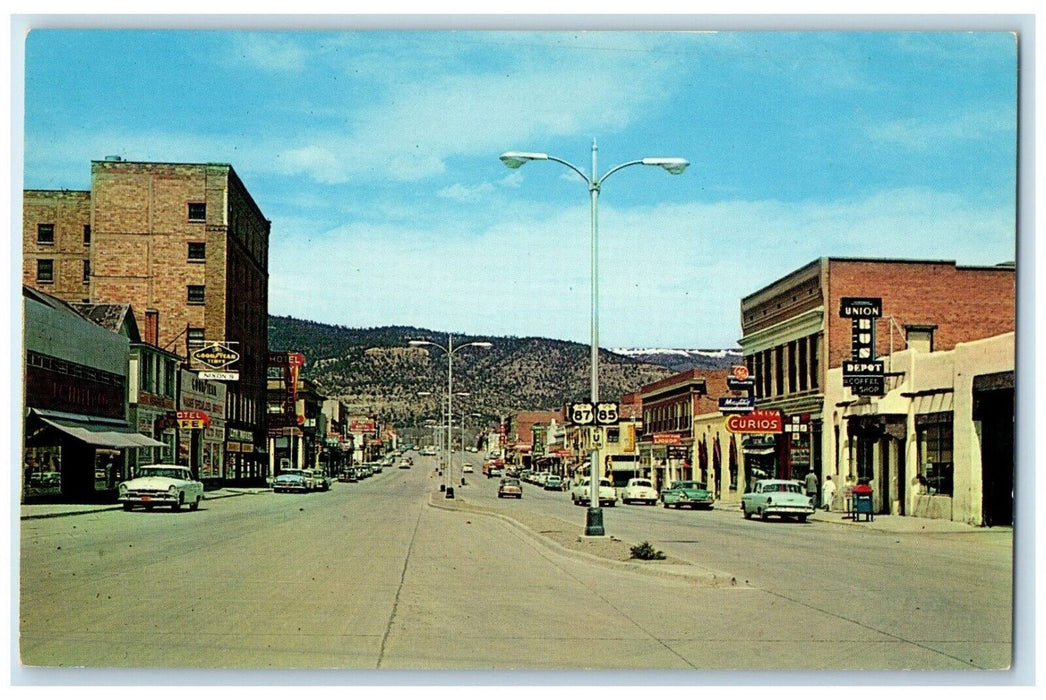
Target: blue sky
<point>375,155</point>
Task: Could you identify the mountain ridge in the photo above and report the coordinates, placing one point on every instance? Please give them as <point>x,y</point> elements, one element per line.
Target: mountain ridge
<point>375,372</point>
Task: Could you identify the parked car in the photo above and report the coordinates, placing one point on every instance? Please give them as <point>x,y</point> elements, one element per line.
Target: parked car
<point>554,482</point>
<point>580,494</point>
<point>347,475</point>
<point>687,494</point>
<point>785,499</point>
<point>639,491</point>
<point>290,483</point>
<point>320,481</point>
<point>510,487</point>
<point>539,479</point>
<point>161,485</point>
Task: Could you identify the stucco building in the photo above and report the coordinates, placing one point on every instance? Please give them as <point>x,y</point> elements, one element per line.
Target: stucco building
<point>939,443</point>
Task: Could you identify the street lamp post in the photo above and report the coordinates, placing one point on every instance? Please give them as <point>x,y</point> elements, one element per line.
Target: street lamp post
<point>449,350</point>
<point>675,166</point>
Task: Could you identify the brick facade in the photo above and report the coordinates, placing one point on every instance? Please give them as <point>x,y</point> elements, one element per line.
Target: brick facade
<point>68,213</point>
<point>961,303</point>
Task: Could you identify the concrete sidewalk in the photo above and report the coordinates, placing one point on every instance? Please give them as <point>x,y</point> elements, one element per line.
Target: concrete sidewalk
<point>58,510</point>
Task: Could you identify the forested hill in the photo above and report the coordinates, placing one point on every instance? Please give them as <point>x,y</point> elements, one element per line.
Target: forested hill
<point>374,371</point>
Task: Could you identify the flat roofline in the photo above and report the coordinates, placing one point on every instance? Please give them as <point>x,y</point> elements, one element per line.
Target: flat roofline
<point>1004,266</point>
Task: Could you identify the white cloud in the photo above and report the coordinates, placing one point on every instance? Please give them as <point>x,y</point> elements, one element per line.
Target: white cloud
<point>272,52</point>
<point>413,126</point>
<point>669,275</point>
<point>923,134</point>
<point>466,193</point>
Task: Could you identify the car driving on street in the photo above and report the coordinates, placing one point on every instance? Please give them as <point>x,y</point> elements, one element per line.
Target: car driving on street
<point>687,494</point>
<point>510,487</point>
<point>581,495</point>
<point>639,491</point>
<point>785,499</point>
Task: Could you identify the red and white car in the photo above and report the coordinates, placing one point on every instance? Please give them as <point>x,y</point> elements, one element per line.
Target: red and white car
<point>168,485</point>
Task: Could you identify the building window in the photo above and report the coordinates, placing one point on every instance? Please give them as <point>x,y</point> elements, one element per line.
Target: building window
<point>45,270</point>
<point>87,234</point>
<point>195,294</point>
<point>815,376</point>
<point>804,367</point>
<point>197,251</point>
<point>934,434</point>
<point>197,211</point>
<point>193,340</point>
<point>147,379</point>
<point>169,376</point>
<point>45,234</point>
<point>919,338</point>
<point>779,371</point>
<point>87,271</point>
<point>793,373</point>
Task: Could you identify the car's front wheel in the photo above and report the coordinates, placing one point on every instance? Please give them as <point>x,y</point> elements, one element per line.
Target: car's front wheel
<point>744,512</point>
<point>127,506</point>
<point>195,504</point>
<point>177,505</point>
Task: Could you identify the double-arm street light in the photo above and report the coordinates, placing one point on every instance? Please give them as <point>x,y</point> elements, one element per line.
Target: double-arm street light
<point>449,349</point>
<point>675,166</point>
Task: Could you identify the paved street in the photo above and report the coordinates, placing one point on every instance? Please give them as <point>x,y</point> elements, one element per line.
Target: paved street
<point>369,576</point>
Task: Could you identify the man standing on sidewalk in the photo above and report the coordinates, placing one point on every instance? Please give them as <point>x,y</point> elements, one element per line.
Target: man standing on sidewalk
<point>811,486</point>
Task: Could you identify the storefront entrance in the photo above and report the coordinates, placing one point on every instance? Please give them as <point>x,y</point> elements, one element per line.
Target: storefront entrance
<point>994,408</point>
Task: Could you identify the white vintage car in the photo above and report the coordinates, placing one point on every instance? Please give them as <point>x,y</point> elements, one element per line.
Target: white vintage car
<point>161,485</point>
<point>639,491</point>
<point>582,492</point>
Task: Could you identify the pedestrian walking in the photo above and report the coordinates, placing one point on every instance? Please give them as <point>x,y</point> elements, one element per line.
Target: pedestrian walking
<point>828,492</point>
<point>811,486</point>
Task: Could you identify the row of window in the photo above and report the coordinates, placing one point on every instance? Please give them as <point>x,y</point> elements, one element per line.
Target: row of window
<point>789,368</point>
<point>45,232</point>
<point>45,271</point>
<point>196,294</point>
<point>667,417</point>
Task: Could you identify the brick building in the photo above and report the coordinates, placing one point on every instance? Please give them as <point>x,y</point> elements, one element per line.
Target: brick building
<point>56,239</point>
<point>793,334</point>
<point>187,247</point>
<point>667,440</point>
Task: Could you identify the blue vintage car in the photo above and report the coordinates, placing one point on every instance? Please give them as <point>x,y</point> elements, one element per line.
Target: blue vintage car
<point>785,499</point>
<point>687,494</point>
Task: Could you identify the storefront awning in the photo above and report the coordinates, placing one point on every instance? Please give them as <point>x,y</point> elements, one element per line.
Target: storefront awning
<point>97,431</point>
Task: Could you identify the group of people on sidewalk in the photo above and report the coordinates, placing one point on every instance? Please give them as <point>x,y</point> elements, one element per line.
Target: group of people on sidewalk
<point>828,491</point>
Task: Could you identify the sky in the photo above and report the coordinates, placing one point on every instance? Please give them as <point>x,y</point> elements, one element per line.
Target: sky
<point>375,156</point>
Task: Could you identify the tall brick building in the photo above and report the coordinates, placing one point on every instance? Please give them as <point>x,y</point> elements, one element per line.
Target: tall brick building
<point>187,247</point>
<point>793,334</point>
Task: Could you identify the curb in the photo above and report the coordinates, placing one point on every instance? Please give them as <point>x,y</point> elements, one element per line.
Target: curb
<point>103,508</point>
<point>709,579</point>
